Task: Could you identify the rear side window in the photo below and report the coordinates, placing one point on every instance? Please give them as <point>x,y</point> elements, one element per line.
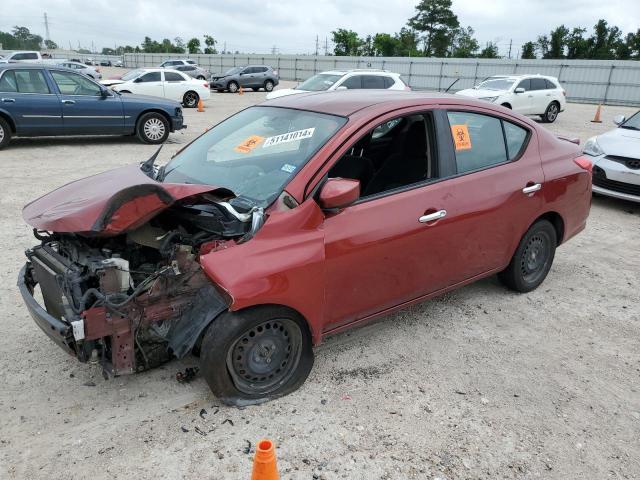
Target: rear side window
<point>388,82</point>
<point>191,62</point>
<point>173,77</point>
<point>538,84</point>
<point>30,81</point>
<point>478,141</point>
<point>516,138</point>
<point>25,56</point>
<point>8,82</point>
<point>352,82</point>
<point>262,69</point>
<point>373,81</point>
<point>550,84</point>
<point>151,77</point>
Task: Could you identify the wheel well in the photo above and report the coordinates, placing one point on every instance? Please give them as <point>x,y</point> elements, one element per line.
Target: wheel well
<point>10,121</point>
<point>556,220</point>
<point>154,110</point>
<point>232,81</point>
<point>507,105</point>
<point>124,91</point>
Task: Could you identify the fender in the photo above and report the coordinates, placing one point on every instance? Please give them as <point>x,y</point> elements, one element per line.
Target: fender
<point>12,122</point>
<point>283,264</point>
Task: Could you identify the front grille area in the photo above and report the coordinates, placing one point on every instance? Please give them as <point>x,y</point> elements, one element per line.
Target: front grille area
<point>600,180</point>
<point>632,163</point>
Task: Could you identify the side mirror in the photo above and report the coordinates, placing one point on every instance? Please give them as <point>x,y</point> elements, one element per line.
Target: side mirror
<point>519,90</point>
<point>339,193</point>
<point>138,80</point>
<point>342,88</point>
<point>104,92</point>
<point>619,119</point>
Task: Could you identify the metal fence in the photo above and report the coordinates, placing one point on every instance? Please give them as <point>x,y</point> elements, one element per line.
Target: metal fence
<point>586,81</point>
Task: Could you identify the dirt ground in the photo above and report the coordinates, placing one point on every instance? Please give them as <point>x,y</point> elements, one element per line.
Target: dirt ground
<point>480,383</point>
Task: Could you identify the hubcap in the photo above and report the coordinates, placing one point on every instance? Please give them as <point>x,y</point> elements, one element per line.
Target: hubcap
<point>233,88</point>
<point>190,98</point>
<point>154,129</point>
<point>535,257</point>
<point>553,112</point>
<point>266,356</point>
<point>269,86</point>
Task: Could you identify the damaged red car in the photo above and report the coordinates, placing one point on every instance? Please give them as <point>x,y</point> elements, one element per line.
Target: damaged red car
<point>294,219</point>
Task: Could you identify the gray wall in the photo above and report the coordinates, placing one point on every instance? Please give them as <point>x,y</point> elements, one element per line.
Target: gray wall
<point>586,81</point>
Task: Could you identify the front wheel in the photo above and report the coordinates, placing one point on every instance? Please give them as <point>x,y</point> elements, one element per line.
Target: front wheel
<point>268,86</point>
<point>190,99</point>
<point>233,87</point>
<point>153,128</point>
<point>255,355</point>
<point>551,113</point>
<point>532,261</point>
<point>5,133</point>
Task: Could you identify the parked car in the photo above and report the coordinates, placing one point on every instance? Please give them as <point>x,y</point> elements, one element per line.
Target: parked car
<point>82,68</point>
<point>616,160</point>
<point>194,71</point>
<point>160,82</point>
<point>346,80</point>
<point>250,76</point>
<point>37,100</point>
<point>295,219</point>
<point>177,62</point>
<point>526,94</point>
<point>30,56</point>
<point>118,63</point>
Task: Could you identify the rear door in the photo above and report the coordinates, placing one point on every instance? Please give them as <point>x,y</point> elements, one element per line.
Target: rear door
<point>85,110</point>
<point>175,85</point>
<point>373,82</point>
<point>541,95</point>
<point>31,102</point>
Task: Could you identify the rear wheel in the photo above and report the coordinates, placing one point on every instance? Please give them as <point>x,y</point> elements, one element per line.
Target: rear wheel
<point>232,87</point>
<point>200,77</point>
<point>152,128</point>
<point>268,86</point>
<point>5,133</point>
<point>190,99</point>
<point>532,261</point>
<point>551,114</point>
<point>256,355</point>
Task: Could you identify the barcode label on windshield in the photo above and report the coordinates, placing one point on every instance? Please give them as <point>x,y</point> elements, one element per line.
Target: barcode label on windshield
<point>288,137</point>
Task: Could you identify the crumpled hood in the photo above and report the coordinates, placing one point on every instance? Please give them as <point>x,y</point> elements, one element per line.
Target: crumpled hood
<point>283,92</point>
<point>621,142</point>
<point>480,93</point>
<point>109,203</point>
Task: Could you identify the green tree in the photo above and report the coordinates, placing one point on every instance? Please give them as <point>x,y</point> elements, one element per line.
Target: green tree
<point>368,49</point>
<point>346,42</point>
<point>577,45</point>
<point>558,41</point>
<point>529,51</point>
<point>385,45</point>
<point>490,51</point>
<point>602,44</point>
<point>210,43</point>
<point>407,40</point>
<point>25,39</point>
<point>543,44</point>
<point>50,44</point>
<point>193,45</point>
<point>437,23</point>
<point>464,44</point>
<point>179,45</point>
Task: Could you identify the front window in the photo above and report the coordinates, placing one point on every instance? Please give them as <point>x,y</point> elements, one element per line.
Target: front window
<point>234,70</point>
<point>497,84</point>
<point>132,74</point>
<point>254,153</point>
<point>74,84</point>
<point>319,83</point>
<point>633,123</point>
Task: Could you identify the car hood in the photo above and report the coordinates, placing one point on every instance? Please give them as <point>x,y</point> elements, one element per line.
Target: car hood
<point>109,203</point>
<point>284,92</point>
<point>621,142</point>
<point>111,81</point>
<point>480,93</point>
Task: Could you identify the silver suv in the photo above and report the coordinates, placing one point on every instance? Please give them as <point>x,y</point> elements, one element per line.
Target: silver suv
<point>251,76</point>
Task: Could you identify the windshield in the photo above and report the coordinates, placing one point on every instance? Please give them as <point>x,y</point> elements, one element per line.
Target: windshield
<point>254,153</point>
<point>633,123</point>
<point>233,71</point>
<point>497,84</point>
<point>131,75</point>
<point>318,83</point>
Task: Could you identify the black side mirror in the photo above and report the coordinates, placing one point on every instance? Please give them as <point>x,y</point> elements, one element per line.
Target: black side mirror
<point>104,92</point>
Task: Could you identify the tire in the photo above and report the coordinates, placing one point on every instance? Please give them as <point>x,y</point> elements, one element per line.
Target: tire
<point>5,133</point>
<point>551,113</point>
<point>190,99</point>
<point>506,105</point>
<point>533,258</point>
<point>152,128</point>
<point>233,87</point>
<point>220,90</point>
<point>200,77</point>
<point>236,362</point>
<point>268,86</point>
<point>255,89</point>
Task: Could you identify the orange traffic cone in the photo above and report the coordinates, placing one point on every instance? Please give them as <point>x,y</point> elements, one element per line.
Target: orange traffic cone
<point>240,92</point>
<point>264,463</point>
<point>596,119</point>
<point>200,105</point>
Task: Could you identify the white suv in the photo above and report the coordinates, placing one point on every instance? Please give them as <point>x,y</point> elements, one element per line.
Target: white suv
<point>176,63</point>
<point>345,80</point>
<point>526,94</point>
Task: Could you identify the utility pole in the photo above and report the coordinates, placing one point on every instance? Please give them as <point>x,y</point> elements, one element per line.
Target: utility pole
<point>225,47</point>
<point>274,50</point>
<point>46,27</point>
<point>326,47</point>
<point>510,45</point>
<point>317,45</point>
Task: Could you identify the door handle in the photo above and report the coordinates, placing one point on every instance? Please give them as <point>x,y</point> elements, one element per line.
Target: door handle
<point>532,188</point>
<point>9,100</point>
<point>433,216</point>
<point>69,102</point>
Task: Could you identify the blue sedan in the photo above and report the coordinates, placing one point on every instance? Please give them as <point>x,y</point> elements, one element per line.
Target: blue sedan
<point>39,100</point>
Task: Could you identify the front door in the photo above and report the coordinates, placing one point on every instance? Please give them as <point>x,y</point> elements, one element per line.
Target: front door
<point>30,100</point>
<point>84,108</point>
<point>523,102</point>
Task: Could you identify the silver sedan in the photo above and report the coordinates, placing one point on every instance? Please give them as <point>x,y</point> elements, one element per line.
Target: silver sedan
<point>616,160</point>
<point>82,68</point>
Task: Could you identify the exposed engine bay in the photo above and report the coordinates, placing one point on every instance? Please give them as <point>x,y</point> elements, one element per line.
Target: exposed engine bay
<point>134,300</point>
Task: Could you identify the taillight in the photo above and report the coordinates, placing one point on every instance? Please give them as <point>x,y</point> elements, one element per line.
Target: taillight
<point>206,85</point>
<point>584,163</point>
<point>275,72</point>
<point>98,70</point>
<point>564,92</point>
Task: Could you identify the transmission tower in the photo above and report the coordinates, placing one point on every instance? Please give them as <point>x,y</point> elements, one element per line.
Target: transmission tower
<point>46,27</point>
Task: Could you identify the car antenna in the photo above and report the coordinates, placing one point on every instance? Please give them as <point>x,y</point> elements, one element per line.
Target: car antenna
<point>147,166</point>
<point>454,82</point>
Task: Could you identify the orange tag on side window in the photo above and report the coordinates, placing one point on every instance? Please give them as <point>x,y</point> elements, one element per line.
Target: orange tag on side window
<point>248,144</point>
<point>461,137</point>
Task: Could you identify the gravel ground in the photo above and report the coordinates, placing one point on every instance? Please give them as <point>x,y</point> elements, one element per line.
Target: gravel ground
<point>480,383</point>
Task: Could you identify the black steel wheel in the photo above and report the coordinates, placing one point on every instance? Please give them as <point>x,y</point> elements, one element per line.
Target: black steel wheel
<point>533,258</point>
<point>256,355</point>
<point>190,99</point>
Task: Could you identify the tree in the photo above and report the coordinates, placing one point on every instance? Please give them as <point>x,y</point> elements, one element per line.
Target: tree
<point>346,42</point>
<point>193,45</point>
<point>210,43</point>
<point>25,39</point>
<point>543,45</point>
<point>437,23</point>
<point>179,45</point>
<point>490,51</point>
<point>557,42</point>
<point>464,44</point>
<point>602,44</point>
<point>529,50</point>
<point>367,49</point>
<point>407,42</point>
<point>577,45</point>
<point>50,44</point>
<point>385,45</point>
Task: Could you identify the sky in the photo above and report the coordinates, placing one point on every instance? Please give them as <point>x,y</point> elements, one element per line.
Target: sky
<point>254,26</point>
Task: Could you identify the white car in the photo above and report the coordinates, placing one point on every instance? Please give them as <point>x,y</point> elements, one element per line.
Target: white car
<point>345,80</point>
<point>160,82</point>
<point>90,72</point>
<point>525,94</point>
<point>177,63</point>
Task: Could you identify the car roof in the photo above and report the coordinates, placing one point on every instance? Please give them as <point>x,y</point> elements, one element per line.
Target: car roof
<point>521,77</point>
<point>359,70</point>
<point>348,102</point>
<point>32,66</point>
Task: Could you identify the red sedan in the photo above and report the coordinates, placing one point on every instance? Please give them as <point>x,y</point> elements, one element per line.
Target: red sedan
<point>294,219</point>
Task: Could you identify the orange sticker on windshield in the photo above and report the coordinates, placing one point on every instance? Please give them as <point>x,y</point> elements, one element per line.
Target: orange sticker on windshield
<point>248,144</point>
<point>461,137</point>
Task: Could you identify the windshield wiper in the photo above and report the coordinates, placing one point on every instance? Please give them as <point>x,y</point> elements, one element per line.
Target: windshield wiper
<point>629,127</point>
<point>147,167</point>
